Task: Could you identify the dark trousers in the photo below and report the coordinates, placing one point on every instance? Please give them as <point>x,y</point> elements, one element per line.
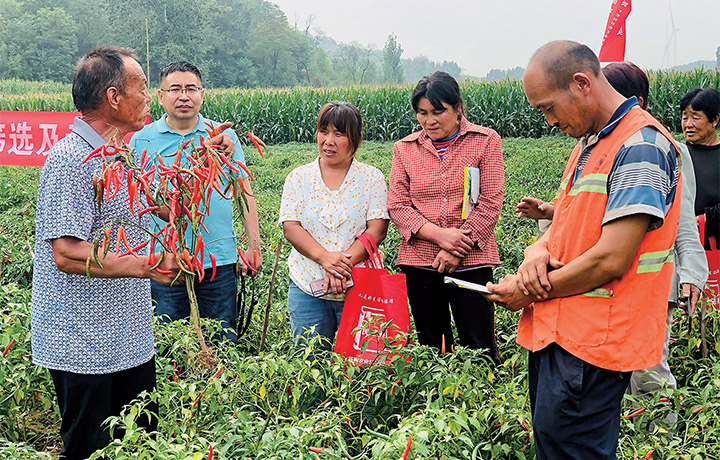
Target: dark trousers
<point>86,400</point>
<point>431,301</point>
<point>575,406</point>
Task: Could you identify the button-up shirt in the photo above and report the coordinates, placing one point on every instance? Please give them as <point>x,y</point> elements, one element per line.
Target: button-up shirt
<point>427,188</point>
<point>332,217</point>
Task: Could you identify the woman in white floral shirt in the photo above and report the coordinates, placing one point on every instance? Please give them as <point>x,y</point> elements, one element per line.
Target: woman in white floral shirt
<point>325,205</point>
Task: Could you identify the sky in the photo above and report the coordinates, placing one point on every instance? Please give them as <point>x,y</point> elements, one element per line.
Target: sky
<point>481,35</point>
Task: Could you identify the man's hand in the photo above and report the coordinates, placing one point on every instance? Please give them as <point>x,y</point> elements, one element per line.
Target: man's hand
<point>507,294</point>
<point>532,276</point>
<point>534,209</point>
<point>445,262</point>
<point>222,141</point>
<point>167,271</point>
<point>254,256</point>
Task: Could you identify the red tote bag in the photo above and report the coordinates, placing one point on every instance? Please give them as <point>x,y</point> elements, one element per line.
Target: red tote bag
<point>712,287</point>
<point>376,299</point>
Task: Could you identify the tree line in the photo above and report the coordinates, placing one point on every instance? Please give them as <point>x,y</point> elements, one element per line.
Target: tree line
<point>235,43</point>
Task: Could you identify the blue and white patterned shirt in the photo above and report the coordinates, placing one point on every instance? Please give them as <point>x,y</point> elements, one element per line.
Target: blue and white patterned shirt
<point>645,173</point>
<point>87,328</point>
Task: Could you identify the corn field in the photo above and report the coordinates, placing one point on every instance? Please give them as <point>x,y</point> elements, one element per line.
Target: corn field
<point>288,115</point>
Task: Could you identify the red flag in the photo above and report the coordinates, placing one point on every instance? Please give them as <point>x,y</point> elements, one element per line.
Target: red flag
<point>613,44</point>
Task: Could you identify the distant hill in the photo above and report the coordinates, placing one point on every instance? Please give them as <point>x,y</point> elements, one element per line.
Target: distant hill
<point>695,65</point>
<point>501,74</point>
<point>413,69</point>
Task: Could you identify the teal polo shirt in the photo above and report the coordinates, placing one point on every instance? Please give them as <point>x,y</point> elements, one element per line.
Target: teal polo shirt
<point>159,139</point>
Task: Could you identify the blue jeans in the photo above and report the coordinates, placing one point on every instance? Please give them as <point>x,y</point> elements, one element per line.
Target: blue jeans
<point>575,406</point>
<point>217,299</point>
<point>307,311</point>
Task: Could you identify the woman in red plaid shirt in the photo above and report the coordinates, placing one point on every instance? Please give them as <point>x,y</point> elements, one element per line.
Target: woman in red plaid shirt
<point>426,203</point>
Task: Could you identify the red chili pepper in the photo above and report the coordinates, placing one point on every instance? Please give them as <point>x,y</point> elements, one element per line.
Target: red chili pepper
<point>214,265</point>
<point>198,399</point>
<point>133,196</point>
<point>8,347</point>
<point>649,455</point>
<point>175,377</point>
<point>106,241</point>
<point>131,250</point>
<point>37,398</point>
<point>213,131</point>
<point>241,184</point>
<point>215,374</point>
<point>149,209</point>
<point>255,261</point>
<point>186,143</point>
<point>210,455</point>
<point>134,250</point>
<point>224,159</point>
<point>317,450</point>
<point>186,258</point>
<point>392,388</point>
<point>247,264</point>
<point>256,140</point>
<point>199,245</point>
<point>242,165</point>
<point>97,152</point>
<point>697,409</point>
<point>407,449</point>
<point>200,270</point>
<point>120,231</point>
<point>637,412</point>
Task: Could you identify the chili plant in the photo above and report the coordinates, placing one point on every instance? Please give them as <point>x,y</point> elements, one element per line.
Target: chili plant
<point>180,188</point>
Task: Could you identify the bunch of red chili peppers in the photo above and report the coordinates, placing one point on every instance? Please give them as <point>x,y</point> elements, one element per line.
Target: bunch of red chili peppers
<point>184,183</point>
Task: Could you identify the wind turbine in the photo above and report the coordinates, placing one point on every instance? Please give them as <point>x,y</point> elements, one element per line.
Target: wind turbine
<point>672,40</point>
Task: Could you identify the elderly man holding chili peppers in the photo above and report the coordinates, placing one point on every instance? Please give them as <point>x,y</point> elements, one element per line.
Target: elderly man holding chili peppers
<point>181,95</point>
<point>94,334</point>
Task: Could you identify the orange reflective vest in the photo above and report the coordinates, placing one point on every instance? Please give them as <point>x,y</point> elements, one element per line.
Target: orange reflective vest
<point>620,325</point>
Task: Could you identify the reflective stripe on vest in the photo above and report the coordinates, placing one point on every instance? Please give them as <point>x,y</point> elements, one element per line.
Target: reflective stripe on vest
<point>654,261</point>
<point>600,292</point>
<point>596,183</point>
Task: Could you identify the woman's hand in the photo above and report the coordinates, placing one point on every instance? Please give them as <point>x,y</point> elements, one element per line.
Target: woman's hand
<point>337,264</point>
<point>336,285</point>
<point>454,240</point>
<point>445,262</point>
<point>534,209</point>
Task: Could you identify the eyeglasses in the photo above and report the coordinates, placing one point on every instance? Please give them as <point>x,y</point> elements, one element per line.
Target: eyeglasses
<point>190,90</point>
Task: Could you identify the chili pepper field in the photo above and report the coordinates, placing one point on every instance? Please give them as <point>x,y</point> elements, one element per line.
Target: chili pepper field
<point>281,403</point>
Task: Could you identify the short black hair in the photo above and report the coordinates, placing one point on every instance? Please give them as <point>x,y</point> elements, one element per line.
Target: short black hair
<point>346,118</point>
<point>99,69</point>
<point>562,59</point>
<point>438,87</point>
<point>179,66</point>
<point>628,80</point>
<point>705,100</point>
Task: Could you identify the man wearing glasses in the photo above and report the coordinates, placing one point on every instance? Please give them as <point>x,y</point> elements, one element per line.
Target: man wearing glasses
<point>181,95</point>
